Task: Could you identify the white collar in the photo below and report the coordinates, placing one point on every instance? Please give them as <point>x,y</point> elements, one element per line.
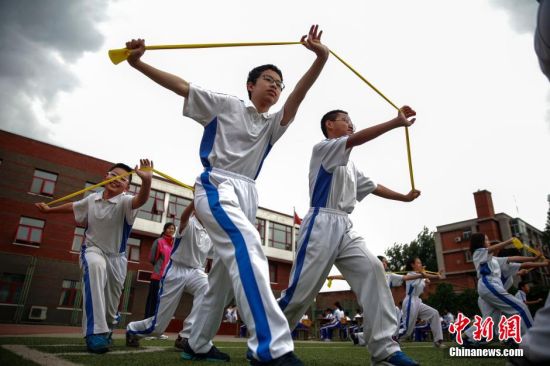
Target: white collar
<point>115,199</point>
<point>252,108</point>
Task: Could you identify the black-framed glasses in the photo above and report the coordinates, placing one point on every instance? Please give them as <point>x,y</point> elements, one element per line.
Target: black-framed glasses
<point>278,84</point>
<point>113,175</point>
<point>347,120</point>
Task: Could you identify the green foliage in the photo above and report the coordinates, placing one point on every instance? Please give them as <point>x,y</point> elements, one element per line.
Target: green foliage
<point>546,232</point>
<point>423,247</point>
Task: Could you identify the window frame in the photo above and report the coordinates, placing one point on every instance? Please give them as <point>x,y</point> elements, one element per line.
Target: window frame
<point>131,248</point>
<point>75,235</point>
<point>28,240</point>
<point>73,292</point>
<point>288,236</point>
<point>42,181</point>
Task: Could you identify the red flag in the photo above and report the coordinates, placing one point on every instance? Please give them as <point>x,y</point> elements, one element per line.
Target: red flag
<point>297,219</point>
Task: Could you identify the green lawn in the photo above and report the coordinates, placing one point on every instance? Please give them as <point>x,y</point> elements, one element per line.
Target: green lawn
<point>162,353</point>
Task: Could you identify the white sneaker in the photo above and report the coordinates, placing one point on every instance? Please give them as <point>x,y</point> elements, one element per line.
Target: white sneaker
<point>440,344</point>
<point>163,337</point>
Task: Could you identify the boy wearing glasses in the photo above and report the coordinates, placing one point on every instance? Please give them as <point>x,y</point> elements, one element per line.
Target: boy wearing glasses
<point>237,138</point>
<point>327,237</point>
<point>108,216</point>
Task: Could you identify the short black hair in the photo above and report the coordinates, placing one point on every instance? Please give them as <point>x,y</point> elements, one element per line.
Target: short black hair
<point>123,167</point>
<point>410,262</point>
<point>522,284</point>
<point>476,241</point>
<point>255,73</point>
<point>381,257</point>
<point>337,304</point>
<point>166,226</point>
<point>330,116</point>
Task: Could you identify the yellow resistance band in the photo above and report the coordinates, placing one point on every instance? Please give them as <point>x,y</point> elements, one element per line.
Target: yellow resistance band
<point>519,245</point>
<point>121,54</point>
<point>115,178</point>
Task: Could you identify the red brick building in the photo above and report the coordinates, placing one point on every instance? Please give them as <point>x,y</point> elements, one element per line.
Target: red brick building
<point>39,271</point>
<point>452,242</point>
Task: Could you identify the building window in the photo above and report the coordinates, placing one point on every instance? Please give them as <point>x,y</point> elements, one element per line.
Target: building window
<point>468,256</point>
<point>176,206</point>
<point>132,251</point>
<point>69,290</point>
<point>273,272</point>
<point>144,276</point>
<point>260,226</point>
<point>280,236</point>
<point>78,239</point>
<point>43,183</point>
<point>466,234</point>
<point>10,287</point>
<point>89,184</point>
<point>154,207</point>
<point>29,231</point>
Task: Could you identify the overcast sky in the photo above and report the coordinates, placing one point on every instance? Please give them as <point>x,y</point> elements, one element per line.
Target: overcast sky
<point>467,67</point>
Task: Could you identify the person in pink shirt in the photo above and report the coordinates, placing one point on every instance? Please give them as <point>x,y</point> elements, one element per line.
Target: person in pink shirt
<point>159,258</point>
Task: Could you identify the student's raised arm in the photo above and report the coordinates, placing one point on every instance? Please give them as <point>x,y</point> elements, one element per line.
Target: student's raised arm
<point>313,43</point>
<point>185,215</point>
<point>387,193</point>
<point>500,245</point>
<point>146,176</point>
<point>370,133</point>
<point>163,78</point>
<point>64,208</point>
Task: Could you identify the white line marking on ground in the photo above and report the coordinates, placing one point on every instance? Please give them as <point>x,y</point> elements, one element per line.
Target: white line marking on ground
<point>41,358</point>
<point>145,350</point>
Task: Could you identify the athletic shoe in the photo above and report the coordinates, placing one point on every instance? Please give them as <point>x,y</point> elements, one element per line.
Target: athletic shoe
<point>288,359</point>
<point>110,338</point>
<point>399,359</point>
<point>354,338</point>
<point>249,355</point>
<point>213,355</point>
<point>97,343</point>
<point>180,342</point>
<point>131,340</point>
<point>440,344</point>
<point>162,337</point>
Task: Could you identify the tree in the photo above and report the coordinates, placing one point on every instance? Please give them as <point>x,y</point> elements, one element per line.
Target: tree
<point>422,247</point>
<point>546,232</point>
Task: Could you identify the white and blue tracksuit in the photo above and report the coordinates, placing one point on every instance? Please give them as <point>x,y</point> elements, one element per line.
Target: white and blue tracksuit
<point>103,257</point>
<point>184,273</point>
<point>235,142</point>
<point>414,308</point>
<point>327,237</point>
<point>494,299</point>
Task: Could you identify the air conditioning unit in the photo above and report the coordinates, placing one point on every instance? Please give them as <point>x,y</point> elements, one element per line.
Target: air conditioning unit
<point>458,239</point>
<point>38,312</point>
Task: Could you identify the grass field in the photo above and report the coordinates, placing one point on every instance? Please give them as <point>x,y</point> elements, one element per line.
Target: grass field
<point>162,353</point>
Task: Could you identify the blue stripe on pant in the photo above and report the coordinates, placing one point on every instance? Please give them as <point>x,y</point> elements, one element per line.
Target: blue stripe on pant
<point>155,315</point>
<point>246,272</point>
<point>411,289</point>
<point>300,258</point>
<point>87,293</point>
<point>518,308</point>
